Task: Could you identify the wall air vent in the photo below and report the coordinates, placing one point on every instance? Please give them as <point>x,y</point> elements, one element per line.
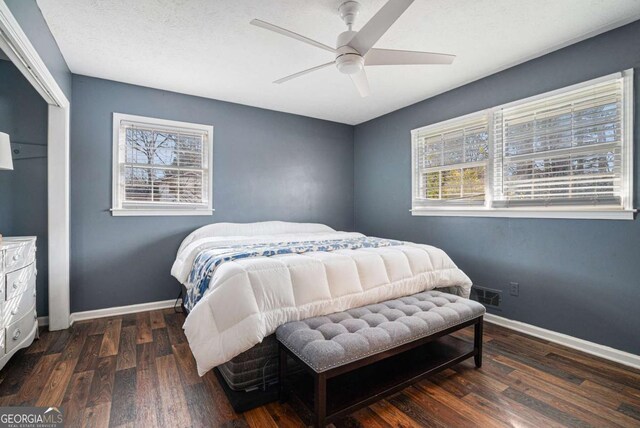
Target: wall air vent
<point>486,296</point>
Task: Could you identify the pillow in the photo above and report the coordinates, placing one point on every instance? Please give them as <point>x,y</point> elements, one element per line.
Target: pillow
<point>253,229</point>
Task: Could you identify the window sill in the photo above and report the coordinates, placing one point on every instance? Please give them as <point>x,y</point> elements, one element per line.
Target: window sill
<point>131,212</point>
<point>576,214</point>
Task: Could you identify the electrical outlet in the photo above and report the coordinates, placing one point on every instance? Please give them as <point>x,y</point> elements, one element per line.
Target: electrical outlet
<point>514,288</point>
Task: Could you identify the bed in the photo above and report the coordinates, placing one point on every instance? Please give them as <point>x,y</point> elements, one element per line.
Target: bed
<point>242,281</point>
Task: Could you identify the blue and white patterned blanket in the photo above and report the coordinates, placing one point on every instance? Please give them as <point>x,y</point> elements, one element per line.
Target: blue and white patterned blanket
<point>208,261</point>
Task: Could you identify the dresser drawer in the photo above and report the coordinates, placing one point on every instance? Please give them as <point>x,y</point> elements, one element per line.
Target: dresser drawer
<point>20,281</point>
<point>20,329</point>
<point>17,307</point>
<point>17,257</point>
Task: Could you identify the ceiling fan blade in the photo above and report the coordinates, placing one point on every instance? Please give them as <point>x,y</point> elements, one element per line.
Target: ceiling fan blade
<point>302,73</point>
<point>395,57</point>
<point>362,84</point>
<point>378,25</point>
<point>284,32</point>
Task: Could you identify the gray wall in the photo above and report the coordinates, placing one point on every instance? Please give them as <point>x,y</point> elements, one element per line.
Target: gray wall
<point>579,277</point>
<point>267,166</point>
<point>28,15</point>
<point>23,191</point>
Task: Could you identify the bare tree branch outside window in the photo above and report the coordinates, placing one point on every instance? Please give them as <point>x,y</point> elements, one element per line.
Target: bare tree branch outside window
<point>164,167</point>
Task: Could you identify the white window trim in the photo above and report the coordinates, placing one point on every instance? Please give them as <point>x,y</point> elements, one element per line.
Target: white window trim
<point>488,164</point>
<point>117,210</point>
<point>549,212</point>
<point>627,212</point>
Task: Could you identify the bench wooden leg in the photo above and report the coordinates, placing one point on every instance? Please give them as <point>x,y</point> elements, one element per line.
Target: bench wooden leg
<point>477,343</point>
<point>282,374</point>
<point>320,400</point>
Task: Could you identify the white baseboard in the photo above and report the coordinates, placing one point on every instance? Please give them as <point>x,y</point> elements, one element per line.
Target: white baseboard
<point>601,351</point>
<point>122,310</point>
<point>43,321</point>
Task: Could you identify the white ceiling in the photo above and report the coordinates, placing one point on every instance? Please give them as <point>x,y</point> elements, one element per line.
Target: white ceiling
<point>207,48</point>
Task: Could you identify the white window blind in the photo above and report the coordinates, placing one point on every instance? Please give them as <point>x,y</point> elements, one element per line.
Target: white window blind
<point>161,166</point>
<point>565,149</point>
<point>450,162</point>
<point>563,154</point>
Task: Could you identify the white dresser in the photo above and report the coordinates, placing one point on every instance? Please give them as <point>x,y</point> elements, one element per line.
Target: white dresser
<point>18,317</point>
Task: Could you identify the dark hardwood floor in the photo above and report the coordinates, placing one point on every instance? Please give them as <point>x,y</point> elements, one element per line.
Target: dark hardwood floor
<point>137,371</point>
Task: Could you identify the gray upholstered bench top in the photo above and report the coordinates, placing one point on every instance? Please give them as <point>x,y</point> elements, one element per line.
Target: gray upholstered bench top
<point>341,338</point>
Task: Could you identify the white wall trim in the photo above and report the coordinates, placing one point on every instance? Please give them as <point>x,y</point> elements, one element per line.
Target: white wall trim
<point>15,43</point>
<point>122,310</point>
<point>43,321</point>
<point>59,217</point>
<point>573,214</point>
<point>596,349</point>
<point>123,212</point>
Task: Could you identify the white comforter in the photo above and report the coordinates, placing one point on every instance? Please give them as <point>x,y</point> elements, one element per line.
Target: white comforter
<point>249,298</point>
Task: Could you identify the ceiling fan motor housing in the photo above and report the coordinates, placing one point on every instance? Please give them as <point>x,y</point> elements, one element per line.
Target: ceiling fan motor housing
<point>348,60</point>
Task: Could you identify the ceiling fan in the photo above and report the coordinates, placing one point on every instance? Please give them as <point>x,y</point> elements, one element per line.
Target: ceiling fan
<point>354,49</point>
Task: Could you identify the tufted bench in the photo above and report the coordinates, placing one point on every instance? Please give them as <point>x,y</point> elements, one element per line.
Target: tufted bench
<point>342,342</point>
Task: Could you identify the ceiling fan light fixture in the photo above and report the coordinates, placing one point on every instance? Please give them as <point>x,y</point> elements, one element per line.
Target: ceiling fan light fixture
<point>350,63</point>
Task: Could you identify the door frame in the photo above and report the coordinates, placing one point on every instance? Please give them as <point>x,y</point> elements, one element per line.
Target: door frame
<point>16,45</point>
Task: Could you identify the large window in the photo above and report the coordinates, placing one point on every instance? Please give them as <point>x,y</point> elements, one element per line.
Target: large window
<point>565,154</point>
<point>161,167</point>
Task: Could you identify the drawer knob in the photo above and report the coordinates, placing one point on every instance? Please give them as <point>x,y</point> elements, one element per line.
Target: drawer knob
<point>16,257</point>
<point>16,334</point>
<point>15,285</point>
<point>14,311</point>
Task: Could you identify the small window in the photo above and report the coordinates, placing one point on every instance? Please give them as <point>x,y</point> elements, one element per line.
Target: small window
<point>563,154</point>
<point>161,167</point>
<point>450,162</point>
